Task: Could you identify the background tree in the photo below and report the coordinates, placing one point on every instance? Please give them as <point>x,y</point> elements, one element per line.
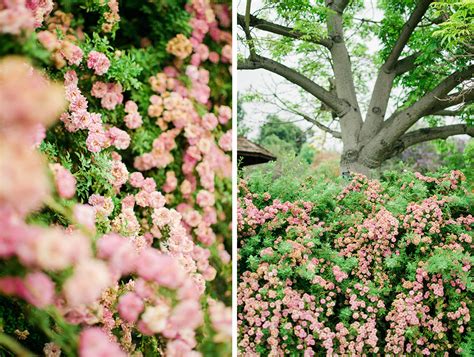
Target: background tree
<point>423,69</point>
<point>276,130</point>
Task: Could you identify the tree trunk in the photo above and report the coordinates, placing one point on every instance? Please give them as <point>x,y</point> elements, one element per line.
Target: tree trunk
<point>351,167</point>
<point>357,161</point>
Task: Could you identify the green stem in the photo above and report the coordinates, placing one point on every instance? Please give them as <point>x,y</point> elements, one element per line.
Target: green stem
<point>11,344</point>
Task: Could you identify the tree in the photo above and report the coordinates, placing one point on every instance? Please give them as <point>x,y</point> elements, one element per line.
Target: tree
<point>287,132</point>
<point>424,69</point>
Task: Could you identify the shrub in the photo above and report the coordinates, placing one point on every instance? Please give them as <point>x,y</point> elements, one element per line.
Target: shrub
<point>115,218</point>
<point>368,267</point>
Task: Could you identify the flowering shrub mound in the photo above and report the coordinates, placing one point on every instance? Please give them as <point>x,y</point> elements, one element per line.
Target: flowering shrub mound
<point>115,165</point>
<point>373,267</point>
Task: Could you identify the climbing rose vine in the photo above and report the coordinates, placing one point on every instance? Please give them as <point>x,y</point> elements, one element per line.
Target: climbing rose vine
<point>370,267</point>
<point>115,172</point>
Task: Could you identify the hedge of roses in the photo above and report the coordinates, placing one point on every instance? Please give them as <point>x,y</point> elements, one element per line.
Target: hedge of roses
<point>366,268</point>
<point>115,193</point>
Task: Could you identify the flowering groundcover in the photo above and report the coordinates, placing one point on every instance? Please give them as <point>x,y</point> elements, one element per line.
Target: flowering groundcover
<point>115,192</point>
<point>367,268</point>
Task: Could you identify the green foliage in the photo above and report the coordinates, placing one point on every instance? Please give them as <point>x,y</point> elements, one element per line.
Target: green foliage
<point>277,132</point>
<point>307,153</point>
<point>459,27</point>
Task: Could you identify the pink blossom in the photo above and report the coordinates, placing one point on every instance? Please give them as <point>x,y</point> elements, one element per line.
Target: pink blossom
<point>89,279</point>
<point>133,120</point>
<point>209,121</point>
<point>171,182</point>
<point>225,142</point>
<point>36,288</point>
<point>177,348</point>
<point>16,183</point>
<point>72,53</point>
<point>118,138</point>
<point>99,89</point>
<point>149,185</point>
<point>155,318</point>
<point>85,215</point>
<point>214,57</point>
<point>163,269</point>
<point>205,198</point>
<point>96,141</point>
<point>65,182</point>
<point>130,306</point>
<point>226,54</point>
<point>93,342</point>
<point>225,113</point>
<point>51,349</point>
<point>221,318</point>
<point>48,40</point>
<point>98,62</point>
<point>26,96</point>
<point>103,206</point>
<point>119,174</point>
<point>186,315</point>
<point>136,179</point>
<point>39,289</point>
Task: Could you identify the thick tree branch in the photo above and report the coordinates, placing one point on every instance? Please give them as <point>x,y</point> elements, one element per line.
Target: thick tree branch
<point>391,68</point>
<point>405,33</point>
<point>381,95</point>
<point>281,30</point>
<point>442,132</point>
<point>259,62</point>
<point>377,106</point>
<point>448,113</point>
<point>343,76</point>
<point>431,102</point>
<point>246,27</point>
<point>464,96</point>
<point>338,5</point>
<point>406,64</point>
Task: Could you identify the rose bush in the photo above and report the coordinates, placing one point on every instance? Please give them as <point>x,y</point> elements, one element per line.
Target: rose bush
<point>115,193</point>
<point>359,268</point>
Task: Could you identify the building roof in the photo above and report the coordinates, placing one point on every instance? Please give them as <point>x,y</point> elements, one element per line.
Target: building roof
<point>249,153</point>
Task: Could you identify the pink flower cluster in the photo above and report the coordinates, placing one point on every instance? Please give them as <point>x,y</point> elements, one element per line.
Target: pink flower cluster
<point>98,62</point>
<point>63,51</point>
<point>78,118</point>
<point>133,119</point>
<point>28,100</point>
<point>202,24</point>
<point>199,84</point>
<point>112,16</point>
<point>23,16</point>
<point>176,267</point>
<point>312,288</point>
<point>65,182</point>
<point>130,265</point>
<point>110,94</point>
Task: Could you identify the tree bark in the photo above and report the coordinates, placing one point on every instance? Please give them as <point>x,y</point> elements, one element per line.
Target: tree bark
<point>350,167</point>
